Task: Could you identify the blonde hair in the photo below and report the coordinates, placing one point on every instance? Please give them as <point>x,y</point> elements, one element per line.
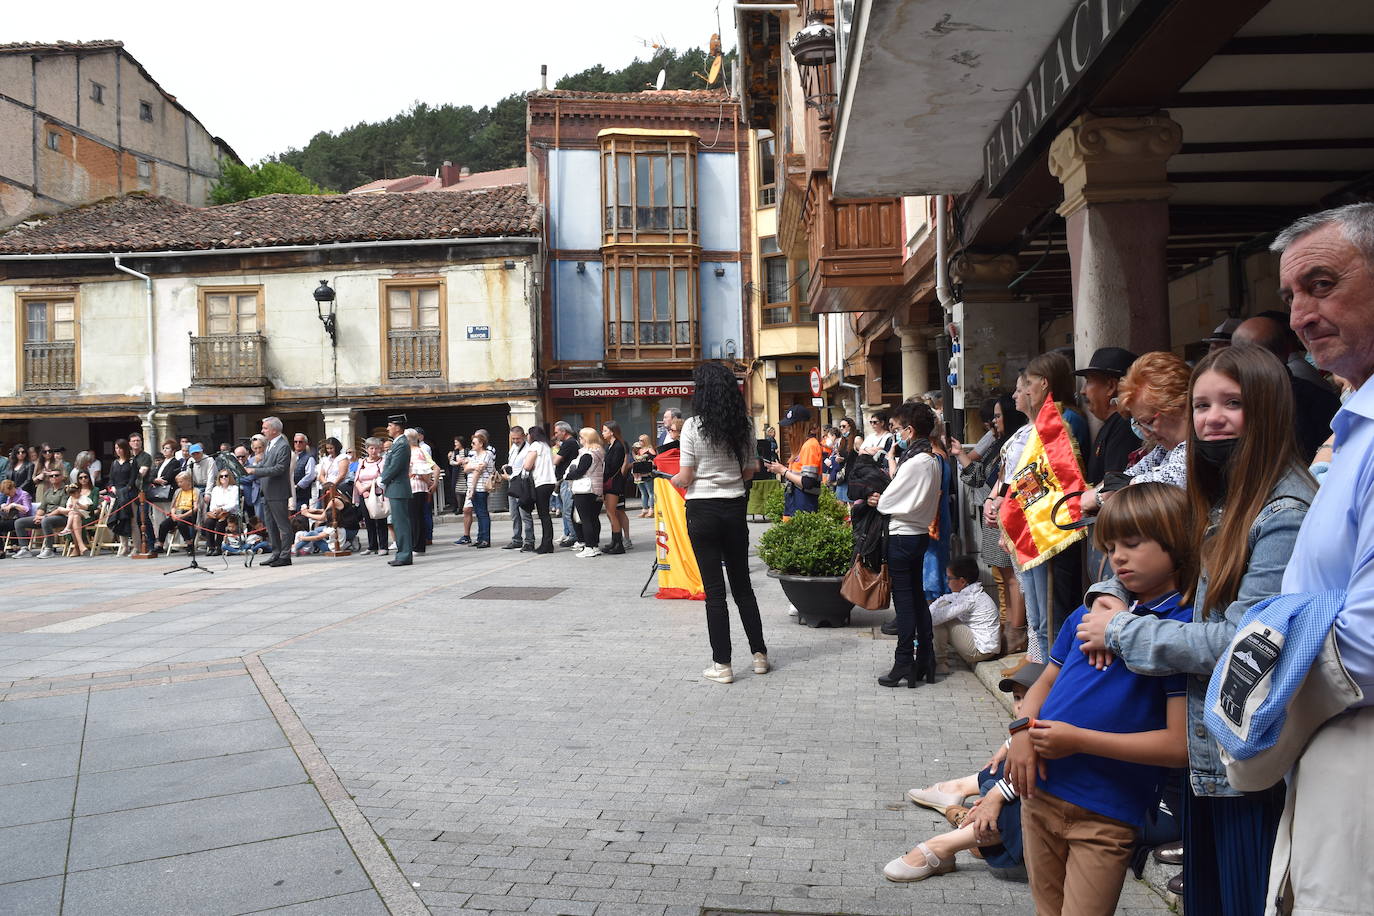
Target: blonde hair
<point>1158,380</point>
<point>591,438</point>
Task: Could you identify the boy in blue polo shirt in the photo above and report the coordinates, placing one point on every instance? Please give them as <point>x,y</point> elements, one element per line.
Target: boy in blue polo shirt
<point>1089,756</point>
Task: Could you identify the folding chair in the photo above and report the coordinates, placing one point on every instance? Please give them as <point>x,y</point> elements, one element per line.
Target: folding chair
<point>101,537</point>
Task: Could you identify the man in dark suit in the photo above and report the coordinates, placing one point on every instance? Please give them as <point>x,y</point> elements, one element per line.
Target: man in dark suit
<point>395,479</point>
<point>1114,441</point>
<point>272,471</point>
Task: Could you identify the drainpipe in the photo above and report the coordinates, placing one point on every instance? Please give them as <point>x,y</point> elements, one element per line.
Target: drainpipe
<point>152,363</point>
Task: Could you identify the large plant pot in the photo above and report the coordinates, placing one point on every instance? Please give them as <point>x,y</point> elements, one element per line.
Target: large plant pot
<point>816,598</point>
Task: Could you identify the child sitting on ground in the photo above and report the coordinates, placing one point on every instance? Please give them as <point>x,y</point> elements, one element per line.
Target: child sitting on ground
<point>966,618</point>
<point>237,543</point>
<point>1089,756</point>
<point>992,827</point>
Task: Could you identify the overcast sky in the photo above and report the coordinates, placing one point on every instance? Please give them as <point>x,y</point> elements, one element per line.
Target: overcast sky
<point>267,76</point>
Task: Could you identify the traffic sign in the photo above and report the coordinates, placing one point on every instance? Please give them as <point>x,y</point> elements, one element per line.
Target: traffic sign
<point>815,380</point>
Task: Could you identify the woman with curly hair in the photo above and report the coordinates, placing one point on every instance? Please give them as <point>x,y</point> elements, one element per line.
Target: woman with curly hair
<point>717,449</point>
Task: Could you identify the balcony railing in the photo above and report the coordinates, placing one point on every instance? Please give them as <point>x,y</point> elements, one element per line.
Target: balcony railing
<point>50,365</point>
<point>414,354</point>
<point>229,359</point>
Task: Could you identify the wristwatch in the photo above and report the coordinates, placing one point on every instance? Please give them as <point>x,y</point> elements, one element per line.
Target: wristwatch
<point>1019,725</point>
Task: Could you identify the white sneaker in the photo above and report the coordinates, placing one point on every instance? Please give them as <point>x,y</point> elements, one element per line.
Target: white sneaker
<point>589,552</point>
<point>23,553</point>
<point>721,674</point>
<point>628,544</point>
<point>46,553</point>
<point>761,663</point>
<point>578,545</point>
<point>791,610</point>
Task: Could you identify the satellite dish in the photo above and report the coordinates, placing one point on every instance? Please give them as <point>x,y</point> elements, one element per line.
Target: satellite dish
<point>662,78</point>
<point>713,74</point>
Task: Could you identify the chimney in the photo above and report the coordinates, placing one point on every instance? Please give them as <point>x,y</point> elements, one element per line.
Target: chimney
<point>465,172</point>
<point>543,76</point>
<point>449,174</point>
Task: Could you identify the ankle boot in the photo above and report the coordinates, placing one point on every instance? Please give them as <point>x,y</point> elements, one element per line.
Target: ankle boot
<point>925,664</point>
<point>545,546</point>
<point>1015,638</point>
<point>900,672</point>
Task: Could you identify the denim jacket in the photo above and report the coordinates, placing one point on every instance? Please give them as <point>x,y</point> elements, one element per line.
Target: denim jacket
<point>1156,646</point>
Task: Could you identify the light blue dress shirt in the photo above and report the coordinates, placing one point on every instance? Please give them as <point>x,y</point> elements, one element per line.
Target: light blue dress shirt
<point>1335,547</point>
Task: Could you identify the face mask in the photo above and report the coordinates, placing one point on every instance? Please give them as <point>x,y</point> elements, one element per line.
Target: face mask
<point>1216,452</point>
<point>1136,430</point>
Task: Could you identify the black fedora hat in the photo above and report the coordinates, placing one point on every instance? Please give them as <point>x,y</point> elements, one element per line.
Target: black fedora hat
<point>1109,361</point>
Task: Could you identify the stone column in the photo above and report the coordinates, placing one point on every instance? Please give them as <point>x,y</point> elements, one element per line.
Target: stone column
<point>342,424</point>
<point>1116,191</point>
<point>523,414</point>
<point>915,361</point>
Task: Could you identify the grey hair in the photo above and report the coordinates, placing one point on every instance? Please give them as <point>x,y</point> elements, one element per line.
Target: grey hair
<point>674,412</point>
<point>274,422</point>
<point>564,426</point>
<point>372,440</point>
<point>1356,222</point>
<point>412,434</point>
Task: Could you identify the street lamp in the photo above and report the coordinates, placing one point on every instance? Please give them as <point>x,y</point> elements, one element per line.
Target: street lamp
<point>814,44</point>
<point>324,295</point>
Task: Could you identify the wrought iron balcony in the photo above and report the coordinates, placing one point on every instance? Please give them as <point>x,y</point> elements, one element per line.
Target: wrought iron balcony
<point>229,359</point>
<point>50,365</point>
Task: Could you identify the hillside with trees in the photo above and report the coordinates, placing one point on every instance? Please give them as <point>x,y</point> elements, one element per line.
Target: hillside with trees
<point>419,140</point>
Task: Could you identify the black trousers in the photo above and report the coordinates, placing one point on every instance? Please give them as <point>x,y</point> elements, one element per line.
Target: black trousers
<point>188,531</point>
<point>906,555</point>
<point>589,517</point>
<point>418,504</point>
<point>376,532</point>
<point>542,495</point>
<point>216,533</point>
<point>720,533</point>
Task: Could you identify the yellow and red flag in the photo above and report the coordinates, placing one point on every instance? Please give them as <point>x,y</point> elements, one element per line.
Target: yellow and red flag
<point>678,574</point>
<point>1047,470</point>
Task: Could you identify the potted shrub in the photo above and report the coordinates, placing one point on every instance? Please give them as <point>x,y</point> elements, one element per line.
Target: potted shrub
<point>809,555</point>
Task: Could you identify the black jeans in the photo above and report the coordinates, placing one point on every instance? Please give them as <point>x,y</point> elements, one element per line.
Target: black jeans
<point>589,517</point>
<point>906,555</point>
<point>719,533</point>
<point>376,532</point>
<point>542,493</point>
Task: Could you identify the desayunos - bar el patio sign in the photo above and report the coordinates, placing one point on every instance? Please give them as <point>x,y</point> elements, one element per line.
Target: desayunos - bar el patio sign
<point>1081,38</point>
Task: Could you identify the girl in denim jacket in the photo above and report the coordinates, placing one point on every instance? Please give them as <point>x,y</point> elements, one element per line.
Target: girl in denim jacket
<point>1248,492</point>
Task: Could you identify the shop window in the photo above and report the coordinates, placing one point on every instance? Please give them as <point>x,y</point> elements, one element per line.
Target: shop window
<point>414,325</point>
<point>49,343</point>
<point>649,189</point>
<point>768,173</point>
<point>651,308</point>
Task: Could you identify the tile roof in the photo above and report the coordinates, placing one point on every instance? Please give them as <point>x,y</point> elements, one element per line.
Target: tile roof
<point>139,222</point>
<point>657,96</point>
<point>413,183</point>
<point>59,47</point>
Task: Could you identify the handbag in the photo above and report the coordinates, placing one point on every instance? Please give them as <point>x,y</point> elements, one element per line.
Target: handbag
<point>160,491</point>
<point>866,588</point>
<point>521,489</point>
<point>376,503</point>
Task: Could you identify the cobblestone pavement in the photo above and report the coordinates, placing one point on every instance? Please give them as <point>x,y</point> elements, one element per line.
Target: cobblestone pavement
<point>554,756</point>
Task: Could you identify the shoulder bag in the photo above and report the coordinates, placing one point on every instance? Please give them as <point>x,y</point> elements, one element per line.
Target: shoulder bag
<point>866,587</point>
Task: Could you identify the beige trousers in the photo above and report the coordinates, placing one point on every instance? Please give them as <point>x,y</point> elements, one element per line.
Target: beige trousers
<point>1076,859</point>
<point>959,636</point>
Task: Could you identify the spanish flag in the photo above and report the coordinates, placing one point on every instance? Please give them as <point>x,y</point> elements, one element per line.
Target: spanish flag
<point>678,575</point>
<point>1048,469</point>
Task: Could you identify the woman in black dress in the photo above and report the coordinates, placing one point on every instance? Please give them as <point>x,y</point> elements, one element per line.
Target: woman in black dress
<point>615,487</point>
<point>122,474</point>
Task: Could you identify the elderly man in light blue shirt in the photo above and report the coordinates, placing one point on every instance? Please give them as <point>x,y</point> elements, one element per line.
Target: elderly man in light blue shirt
<point>1326,275</point>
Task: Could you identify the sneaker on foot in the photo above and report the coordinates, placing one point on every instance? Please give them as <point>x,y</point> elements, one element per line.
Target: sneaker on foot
<point>578,545</point>
<point>23,553</point>
<point>46,553</point>
<point>721,674</point>
<point>463,540</point>
<point>589,552</point>
<point>567,542</point>
<point>761,665</point>
<point>629,545</point>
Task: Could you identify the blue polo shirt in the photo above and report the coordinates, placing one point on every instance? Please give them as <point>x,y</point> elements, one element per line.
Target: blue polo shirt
<point>1115,700</point>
